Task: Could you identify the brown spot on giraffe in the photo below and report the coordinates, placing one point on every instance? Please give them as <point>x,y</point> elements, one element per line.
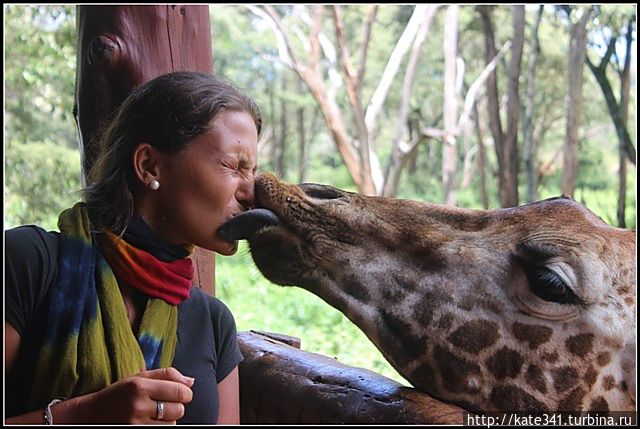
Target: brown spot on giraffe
<point>608,382</point>
<point>426,374</point>
<point>550,357</point>
<point>456,371</point>
<point>353,288</point>
<point>535,378</point>
<point>604,358</point>
<point>510,397</point>
<point>573,401</point>
<point>590,376</point>
<point>445,322</point>
<point>580,345</point>
<point>475,336</point>
<point>394,329</point>
<point>534,335</point>
<point>425,307</point>
<point>505,363</point>
<point>564,378</point>
<point>599,404</point>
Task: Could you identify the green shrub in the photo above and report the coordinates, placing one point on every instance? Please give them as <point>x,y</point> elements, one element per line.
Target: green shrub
<point>41,180</point>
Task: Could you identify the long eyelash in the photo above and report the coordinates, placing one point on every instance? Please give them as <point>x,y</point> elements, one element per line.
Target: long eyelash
<point>546,276</point>
<point>543,280</point>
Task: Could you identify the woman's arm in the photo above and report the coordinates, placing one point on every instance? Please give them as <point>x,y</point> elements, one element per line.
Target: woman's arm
<point>131,400</point>
<point>229,397</point>
<point>11,346</point>
<point>64,411</point>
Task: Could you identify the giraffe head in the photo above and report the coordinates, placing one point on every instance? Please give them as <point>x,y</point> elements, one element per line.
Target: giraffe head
<point>522,309</point>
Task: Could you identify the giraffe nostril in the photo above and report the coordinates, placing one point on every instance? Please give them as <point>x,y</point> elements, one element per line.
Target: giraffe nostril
<point>321,192</point>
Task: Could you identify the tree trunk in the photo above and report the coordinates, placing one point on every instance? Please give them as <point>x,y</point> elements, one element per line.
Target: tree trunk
<point>509,194</point>
<point>302,142</point>
<point>614,110</point>
<point>353,87</point>
<point>577,54</point>
<point>493,99</point>
<point>121,47</point>
<point>625,85</point>
<point>450,104</point>
<point>529,143</point>
<point>482,159</point>
<point>401,147</point>
<point>282,138</point>
<point>273,144</point>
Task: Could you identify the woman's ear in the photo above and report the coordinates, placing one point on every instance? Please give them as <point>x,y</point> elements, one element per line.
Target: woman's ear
<point>146,164</point>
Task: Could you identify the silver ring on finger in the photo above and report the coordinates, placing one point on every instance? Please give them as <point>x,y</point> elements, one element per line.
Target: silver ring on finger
<point>159,410</point>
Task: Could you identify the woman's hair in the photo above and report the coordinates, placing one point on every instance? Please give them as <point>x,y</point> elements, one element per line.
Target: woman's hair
<point>166,112</point>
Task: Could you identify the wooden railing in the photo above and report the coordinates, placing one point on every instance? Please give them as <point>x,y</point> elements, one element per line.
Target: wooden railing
<point>281,384</point>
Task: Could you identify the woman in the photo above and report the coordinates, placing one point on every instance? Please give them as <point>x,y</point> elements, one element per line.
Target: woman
<point>102,325</point>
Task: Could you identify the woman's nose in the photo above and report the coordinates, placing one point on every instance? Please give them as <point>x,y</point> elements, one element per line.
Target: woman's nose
<point>246,193</point>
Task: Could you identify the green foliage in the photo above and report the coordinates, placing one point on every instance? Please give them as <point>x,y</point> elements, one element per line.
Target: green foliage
<point>41,179</point>
<point>40,73</point>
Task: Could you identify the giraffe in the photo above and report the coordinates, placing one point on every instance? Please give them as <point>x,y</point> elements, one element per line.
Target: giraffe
<point>520,309</point>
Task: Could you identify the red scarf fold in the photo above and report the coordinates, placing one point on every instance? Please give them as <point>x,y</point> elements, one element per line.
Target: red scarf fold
<point>169,281</point>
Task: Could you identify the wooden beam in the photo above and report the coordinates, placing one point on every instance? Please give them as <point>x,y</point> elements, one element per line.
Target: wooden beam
<point>284,385</point>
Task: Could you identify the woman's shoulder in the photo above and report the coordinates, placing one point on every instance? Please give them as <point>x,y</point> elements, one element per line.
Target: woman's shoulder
<point>204,302</point>
<point>29,237</point>
<point>32,245</point>
<point>31,255</point>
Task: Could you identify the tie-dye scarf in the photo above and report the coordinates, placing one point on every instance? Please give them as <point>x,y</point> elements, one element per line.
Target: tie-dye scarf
<point>88,342</point>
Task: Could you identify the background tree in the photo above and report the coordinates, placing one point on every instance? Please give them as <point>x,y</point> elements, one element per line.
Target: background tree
<point>578,18</point>
<point>509,194</point>
<point>450,106</point>
<point>617,24</point>
<point>529,146</point>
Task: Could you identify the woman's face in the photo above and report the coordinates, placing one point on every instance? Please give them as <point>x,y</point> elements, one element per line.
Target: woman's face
<point>207,184</point>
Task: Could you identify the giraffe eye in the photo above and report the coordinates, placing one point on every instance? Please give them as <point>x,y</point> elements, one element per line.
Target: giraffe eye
<point>549,286</point>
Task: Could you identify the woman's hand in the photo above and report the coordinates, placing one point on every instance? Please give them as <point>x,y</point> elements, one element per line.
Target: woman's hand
<point>128,401</point>
<point>134,400</point>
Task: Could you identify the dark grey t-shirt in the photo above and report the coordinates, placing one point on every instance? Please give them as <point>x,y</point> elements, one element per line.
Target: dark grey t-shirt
<point>207,347</point>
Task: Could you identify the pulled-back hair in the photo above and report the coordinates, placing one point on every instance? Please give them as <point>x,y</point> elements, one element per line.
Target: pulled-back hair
<point>167,112</point>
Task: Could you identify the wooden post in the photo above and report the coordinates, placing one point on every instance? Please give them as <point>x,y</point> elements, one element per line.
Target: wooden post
<point>121,47</point>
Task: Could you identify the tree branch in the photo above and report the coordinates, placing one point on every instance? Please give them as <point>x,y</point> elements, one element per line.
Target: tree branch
<point>364,44</point>
<point>401,48</point>
<point>475,87</point>
<point>271,17</point>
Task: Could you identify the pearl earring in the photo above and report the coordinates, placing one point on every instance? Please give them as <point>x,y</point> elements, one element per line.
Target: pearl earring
<point>154,185</point>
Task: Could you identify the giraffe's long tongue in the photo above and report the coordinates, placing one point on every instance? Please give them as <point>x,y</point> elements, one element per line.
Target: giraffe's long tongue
<point>246,223</point>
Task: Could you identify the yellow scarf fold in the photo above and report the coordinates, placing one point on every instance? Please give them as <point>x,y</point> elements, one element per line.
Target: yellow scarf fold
<point>88,341</point>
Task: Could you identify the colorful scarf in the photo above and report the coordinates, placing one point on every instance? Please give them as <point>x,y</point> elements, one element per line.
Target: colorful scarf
<point>88,342</point>
<point>170,281</point>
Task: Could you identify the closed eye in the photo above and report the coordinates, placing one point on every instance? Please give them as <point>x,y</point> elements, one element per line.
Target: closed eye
<point>549,286</point>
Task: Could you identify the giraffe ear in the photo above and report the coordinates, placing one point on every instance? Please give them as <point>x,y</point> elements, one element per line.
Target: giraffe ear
<point>629,368</point>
